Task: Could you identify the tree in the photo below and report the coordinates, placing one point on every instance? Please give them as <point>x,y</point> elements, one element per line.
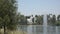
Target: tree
<point>49,19</point>
<point>39,20</point>
<point>22,20</point>
<point>53,20</point>
<point>58,18</point>
<point>58,21</point>
<point>33,20</point>
<point>1,22</point>
<point>8,14</point>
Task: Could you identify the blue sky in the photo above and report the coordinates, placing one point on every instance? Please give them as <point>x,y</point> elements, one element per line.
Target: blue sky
<point>39,7</point>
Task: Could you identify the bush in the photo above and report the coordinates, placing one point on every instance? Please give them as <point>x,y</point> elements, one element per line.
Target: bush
<point>58,23</point>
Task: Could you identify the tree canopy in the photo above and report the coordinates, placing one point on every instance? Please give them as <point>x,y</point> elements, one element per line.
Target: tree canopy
<point>8,13</point>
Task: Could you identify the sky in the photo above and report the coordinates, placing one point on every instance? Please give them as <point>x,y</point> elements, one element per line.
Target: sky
<point>38,7</point>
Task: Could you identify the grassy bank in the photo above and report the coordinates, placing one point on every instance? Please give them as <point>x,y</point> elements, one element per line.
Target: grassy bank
<point>12,32</point>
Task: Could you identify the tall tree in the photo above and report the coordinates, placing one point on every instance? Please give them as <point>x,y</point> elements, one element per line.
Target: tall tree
<point>8,10</point>
<point>53,20</point>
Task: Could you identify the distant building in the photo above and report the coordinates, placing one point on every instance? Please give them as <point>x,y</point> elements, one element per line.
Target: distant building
<point>30,19</point>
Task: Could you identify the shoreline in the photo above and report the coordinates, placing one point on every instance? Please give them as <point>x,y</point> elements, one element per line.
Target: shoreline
<point>13,32</point>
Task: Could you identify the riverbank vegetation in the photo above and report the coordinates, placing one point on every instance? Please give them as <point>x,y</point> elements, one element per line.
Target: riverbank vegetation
<point>53,20</point>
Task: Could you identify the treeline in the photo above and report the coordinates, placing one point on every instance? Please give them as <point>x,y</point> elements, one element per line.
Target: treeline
<point>51,20</point>
<point>22,20</point>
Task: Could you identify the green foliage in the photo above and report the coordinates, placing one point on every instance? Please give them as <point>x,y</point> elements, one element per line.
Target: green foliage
<point>53,20</point>
<point>58,18</point>
<point>57,23</point>
<point>39,20</point>
<point>8,13</point>
<point>22,20</point>
<point>48,19</point>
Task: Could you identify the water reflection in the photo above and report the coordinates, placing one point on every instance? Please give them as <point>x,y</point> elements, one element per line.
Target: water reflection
<point>38,29</point>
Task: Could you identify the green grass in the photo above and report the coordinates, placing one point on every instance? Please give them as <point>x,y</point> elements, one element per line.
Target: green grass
<point>12,32</point>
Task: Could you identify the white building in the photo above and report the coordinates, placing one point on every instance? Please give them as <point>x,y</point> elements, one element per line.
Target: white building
<point>30,20</point>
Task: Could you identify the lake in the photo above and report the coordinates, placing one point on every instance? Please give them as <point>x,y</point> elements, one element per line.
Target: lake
<point>39,29</point>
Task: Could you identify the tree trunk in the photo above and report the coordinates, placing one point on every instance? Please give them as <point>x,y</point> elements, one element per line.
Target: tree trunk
<point>0,31</point>
<point>4,29</point>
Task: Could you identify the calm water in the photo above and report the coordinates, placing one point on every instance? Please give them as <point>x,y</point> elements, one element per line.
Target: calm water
<point>39,29</point>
